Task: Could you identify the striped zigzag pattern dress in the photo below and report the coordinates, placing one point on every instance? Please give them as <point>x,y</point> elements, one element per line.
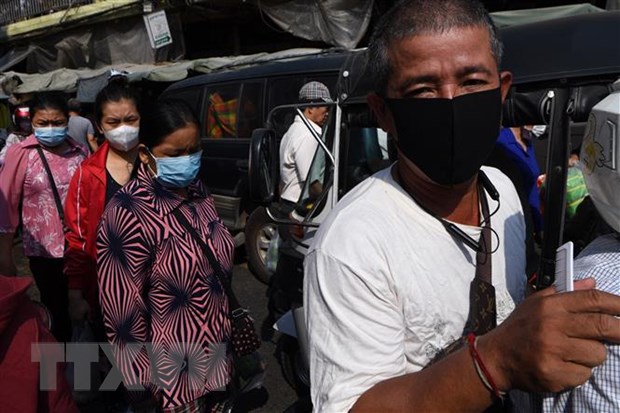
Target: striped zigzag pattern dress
<point>165,312</point>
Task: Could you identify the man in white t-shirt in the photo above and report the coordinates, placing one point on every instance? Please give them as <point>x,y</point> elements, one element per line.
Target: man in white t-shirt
<point>298,146</point>
<point>388,276</point>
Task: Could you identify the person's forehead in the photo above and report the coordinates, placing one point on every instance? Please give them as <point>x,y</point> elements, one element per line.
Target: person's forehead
<point>120,106</point>
<point>448,50</point>
<point>49,113</point>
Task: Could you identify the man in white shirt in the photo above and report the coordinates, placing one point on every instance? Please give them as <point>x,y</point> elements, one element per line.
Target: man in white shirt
<point>298,146</point>
<point>389,274</point>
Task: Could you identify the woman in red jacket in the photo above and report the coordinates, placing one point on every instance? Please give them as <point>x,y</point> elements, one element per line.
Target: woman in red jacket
<point>93,185</point>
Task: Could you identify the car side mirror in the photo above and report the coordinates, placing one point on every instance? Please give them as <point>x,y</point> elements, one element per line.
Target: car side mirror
<point>263,166</point>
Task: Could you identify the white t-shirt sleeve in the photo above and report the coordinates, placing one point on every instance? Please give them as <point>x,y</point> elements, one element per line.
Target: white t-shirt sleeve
<point>355,328</point>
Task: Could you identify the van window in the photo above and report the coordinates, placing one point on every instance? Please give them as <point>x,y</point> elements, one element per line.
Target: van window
<point>283,91</point>
<point>250,110</point>
<point>232,110</point>
<point>189,96</point>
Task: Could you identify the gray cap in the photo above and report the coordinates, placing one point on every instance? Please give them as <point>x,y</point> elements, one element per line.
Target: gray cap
<point>314,92</point>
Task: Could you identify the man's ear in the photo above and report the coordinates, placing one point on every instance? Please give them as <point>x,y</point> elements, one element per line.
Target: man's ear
<point>505,81</point>
<point>381,112</point>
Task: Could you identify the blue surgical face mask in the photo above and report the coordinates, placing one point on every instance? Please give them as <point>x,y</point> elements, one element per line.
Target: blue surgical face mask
<point>51,136</point>
<point>177,171</point>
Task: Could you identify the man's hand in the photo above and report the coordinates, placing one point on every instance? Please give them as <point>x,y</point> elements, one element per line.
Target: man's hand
<point>552,340</point>
<point>316,188</point>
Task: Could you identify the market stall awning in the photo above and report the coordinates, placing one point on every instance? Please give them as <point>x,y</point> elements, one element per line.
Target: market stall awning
<point>519,17</point>
<point>87,82</point>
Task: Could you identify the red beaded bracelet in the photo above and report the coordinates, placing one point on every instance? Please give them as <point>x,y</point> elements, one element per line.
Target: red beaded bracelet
<point>481,369</point>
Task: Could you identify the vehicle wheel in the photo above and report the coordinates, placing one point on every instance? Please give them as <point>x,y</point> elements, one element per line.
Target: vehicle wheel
<point>259,230</point>
<point>288,356</point>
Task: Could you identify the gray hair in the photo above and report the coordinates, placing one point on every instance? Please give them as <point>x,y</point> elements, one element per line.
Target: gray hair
<point>413,17</point>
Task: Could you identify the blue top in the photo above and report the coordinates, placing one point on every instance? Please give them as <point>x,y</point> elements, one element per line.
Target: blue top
<point>525,160</point>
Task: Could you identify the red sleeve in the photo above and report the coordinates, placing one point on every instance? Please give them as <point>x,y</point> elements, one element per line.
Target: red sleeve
<point>80,268</point>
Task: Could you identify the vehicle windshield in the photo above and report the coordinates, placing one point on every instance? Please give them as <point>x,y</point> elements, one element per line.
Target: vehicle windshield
<point>366,152</point>
<point>363,151</point>
<point>320,175</point>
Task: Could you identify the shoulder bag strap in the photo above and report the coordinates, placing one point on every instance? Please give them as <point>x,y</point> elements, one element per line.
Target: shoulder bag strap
<point>482,307</point>
<point>483,257</point>
<point>61,211</point>
<point>217,268</point>
<point>482,304</point>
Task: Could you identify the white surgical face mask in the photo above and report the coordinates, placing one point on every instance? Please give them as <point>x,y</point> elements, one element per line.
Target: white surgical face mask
<point>124,138</point>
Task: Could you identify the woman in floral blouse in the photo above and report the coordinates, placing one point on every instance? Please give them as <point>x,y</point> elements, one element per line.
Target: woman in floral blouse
<point>25,187</point>
<point>164,310</point>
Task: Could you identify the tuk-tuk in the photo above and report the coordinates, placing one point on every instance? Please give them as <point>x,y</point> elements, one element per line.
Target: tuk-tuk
<point>561,69</point>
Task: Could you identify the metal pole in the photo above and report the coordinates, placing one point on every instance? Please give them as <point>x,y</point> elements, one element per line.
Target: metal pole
<point>555,196</point>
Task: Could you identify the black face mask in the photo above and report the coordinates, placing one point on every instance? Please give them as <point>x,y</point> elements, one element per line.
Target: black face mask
<point>448,139</point>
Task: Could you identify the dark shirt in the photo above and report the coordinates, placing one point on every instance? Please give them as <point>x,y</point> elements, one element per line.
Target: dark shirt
<point>500,160</point>
<point>111,186</point>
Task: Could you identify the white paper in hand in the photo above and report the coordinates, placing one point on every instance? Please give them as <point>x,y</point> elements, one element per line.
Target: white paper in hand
<point>564,268</point>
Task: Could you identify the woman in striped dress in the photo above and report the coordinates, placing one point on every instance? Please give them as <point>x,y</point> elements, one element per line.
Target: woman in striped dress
<point>164,310</point>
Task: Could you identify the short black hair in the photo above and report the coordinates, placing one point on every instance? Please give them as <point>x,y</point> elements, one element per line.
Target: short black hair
<point>49,100</point>
<point>74,105</point>
<point>163,118</point>
<point>117,89</point>
<point>409,18</point>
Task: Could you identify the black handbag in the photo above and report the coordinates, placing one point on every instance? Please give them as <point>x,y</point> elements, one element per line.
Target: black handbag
<point>244,338</point>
